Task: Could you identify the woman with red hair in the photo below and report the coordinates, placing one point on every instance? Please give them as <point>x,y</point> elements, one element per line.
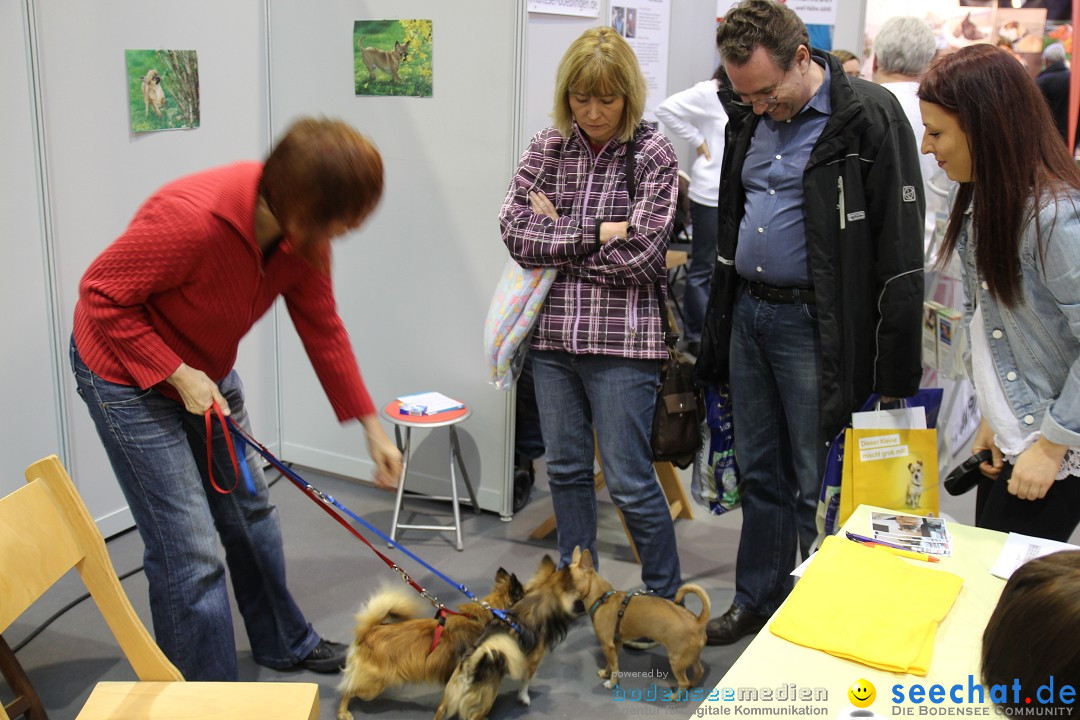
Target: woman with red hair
<point>160,316</point>
<point>1015,222</point>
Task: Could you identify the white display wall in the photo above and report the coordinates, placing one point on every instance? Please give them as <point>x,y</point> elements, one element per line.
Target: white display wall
<point>64,75</point>
<point>414,283</point>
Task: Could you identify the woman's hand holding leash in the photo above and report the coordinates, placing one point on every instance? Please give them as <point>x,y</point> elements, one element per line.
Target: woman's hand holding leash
<point>197,390</point>
<point>384,453</point>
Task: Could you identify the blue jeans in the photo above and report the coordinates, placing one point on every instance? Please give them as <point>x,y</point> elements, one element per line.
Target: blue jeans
<point>779,444</point>
<point>158,452</point>
<point>702,259</point>
<point>621,394</point>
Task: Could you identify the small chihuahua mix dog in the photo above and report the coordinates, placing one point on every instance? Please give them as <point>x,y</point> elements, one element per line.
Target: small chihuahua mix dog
<point>152,93</point>
<point>682,634</point>
<point>386,60</point>
<point>384,655</point>
<point>542,617</point>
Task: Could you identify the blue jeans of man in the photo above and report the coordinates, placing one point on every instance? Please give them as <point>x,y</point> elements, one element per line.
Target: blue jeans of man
<point>779,444</point>
<point>158,452</point>
<point>621,394</point>
<point>705,220</point>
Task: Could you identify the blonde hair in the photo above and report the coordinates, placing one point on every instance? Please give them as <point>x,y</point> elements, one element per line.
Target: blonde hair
<point>600,63</point>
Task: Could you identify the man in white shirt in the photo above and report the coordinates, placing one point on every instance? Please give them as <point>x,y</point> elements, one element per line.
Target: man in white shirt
<point>903,50</point>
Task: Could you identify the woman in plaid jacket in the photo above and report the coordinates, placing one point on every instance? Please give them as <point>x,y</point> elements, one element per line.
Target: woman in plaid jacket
<point>598,343</point>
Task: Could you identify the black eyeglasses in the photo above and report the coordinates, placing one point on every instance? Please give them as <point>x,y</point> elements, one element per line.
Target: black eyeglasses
<point>767,104</point>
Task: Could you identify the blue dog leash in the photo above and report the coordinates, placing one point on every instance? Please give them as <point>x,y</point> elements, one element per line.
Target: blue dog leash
<point>326,501</point>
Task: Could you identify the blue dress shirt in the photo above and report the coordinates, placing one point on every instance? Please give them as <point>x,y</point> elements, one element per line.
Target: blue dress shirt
<point>772,235</point>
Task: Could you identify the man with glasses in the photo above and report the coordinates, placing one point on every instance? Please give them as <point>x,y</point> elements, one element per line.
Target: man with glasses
<point>818,288</point>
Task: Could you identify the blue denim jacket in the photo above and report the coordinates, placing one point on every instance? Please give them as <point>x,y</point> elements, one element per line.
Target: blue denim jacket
<point>1036,345</point>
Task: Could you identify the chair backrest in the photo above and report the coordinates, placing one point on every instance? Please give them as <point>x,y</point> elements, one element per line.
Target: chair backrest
<point>46,530</point>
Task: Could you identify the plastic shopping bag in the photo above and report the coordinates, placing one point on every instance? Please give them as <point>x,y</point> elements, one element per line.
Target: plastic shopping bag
<point>715,480</point>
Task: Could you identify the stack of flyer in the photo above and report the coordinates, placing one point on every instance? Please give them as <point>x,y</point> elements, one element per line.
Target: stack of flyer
<point>428,403</point>
<point>928,535</point>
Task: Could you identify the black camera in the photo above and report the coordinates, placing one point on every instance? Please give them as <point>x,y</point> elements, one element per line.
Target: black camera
<point>967,475</point>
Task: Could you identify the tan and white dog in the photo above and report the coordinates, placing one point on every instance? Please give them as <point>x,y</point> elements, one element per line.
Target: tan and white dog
<point>152,93</point>
<point>915,486</point>
<point>389,61</point>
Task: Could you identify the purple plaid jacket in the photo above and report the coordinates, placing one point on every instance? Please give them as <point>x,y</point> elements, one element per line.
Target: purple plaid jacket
<point>604,298</point>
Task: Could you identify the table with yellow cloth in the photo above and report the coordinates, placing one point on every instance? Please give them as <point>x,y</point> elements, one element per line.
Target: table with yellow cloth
<point>936,640</point>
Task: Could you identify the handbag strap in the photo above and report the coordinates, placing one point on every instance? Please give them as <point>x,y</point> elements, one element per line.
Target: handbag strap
<point>670,337</point>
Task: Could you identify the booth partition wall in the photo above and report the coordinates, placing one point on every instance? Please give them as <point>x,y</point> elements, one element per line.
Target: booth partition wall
<point>413,285</point>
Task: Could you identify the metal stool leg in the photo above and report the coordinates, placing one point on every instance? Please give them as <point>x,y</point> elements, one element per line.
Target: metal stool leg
<point>401,481</point>
<point>454,495</point>
<point>455,448</point>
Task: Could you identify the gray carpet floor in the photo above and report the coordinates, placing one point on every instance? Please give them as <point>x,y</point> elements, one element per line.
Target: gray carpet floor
<point>331,574</point>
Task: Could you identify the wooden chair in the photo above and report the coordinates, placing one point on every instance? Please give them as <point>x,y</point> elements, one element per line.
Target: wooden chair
<point>26,704</point>
<point>46,530</point>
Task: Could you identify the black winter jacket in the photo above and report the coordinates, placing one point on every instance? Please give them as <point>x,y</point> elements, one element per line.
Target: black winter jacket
<point>863,207</point>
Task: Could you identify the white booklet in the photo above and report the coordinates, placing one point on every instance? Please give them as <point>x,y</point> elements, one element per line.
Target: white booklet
<point>1018,549</point>
<point>431,402</point>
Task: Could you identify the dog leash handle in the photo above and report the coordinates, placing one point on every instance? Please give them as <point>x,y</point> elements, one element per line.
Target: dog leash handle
<point>215,410</point>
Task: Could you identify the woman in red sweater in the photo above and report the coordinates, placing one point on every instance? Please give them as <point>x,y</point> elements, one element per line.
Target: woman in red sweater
<point>160,316</point>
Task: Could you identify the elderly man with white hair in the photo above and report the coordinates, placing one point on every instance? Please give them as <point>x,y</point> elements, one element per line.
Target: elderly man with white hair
<point>1054,83</point>
<point>903,49</point>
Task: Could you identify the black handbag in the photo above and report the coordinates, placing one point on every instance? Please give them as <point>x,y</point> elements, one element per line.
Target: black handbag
<point>680,404</point>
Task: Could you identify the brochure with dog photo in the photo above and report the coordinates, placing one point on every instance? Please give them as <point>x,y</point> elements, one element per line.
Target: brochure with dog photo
<point>928,535</point>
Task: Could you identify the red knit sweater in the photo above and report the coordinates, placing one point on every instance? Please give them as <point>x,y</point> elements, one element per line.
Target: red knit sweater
<point>186,281</point>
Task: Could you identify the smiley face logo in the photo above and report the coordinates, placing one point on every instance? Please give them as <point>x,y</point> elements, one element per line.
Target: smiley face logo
<point>861,693</point>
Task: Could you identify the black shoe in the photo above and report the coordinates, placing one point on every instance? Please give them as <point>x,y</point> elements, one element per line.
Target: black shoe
<point>327,657</point>
<point>524,479</point>
<point>693,348</point>
<point>733,625</point>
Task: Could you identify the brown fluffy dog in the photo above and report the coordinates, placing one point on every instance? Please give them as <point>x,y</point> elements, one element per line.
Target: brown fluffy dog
<point>542,617</point>
<point>682,634</point>
<point>386,655</point>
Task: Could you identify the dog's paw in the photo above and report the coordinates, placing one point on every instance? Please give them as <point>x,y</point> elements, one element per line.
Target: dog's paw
<point>602,672</point>
<point>609,684</point>
<point>524,699</point>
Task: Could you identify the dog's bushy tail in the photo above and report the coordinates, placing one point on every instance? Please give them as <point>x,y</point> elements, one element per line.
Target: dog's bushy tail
<point>495,658</point>
<point>691,589</point>
<point>396,602</point>
<point>471,690</point>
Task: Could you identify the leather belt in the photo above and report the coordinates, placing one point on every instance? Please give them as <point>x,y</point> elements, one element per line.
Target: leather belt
<point>774,294</point>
